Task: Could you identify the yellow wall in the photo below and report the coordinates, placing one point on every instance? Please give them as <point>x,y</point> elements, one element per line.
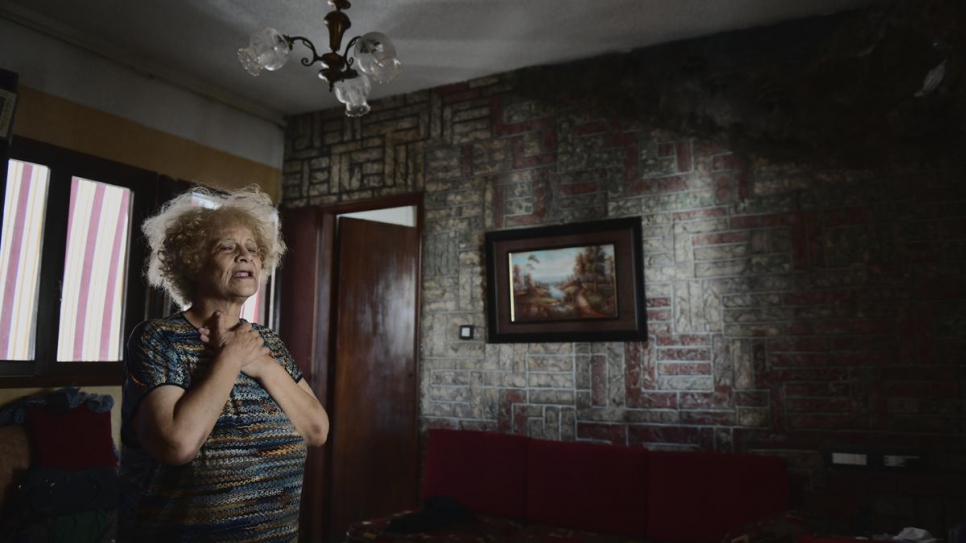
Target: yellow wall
<point>48,118</point>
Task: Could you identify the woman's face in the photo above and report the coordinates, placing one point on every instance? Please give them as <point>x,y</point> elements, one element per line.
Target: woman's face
<point>232,268</point>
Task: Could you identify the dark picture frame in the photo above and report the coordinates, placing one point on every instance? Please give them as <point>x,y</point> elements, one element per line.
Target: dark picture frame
<point>564,283</point>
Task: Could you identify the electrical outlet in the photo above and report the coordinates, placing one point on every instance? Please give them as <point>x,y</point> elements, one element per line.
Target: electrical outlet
<point>850,459</point>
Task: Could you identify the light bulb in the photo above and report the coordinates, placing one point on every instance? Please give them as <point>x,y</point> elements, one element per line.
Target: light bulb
<point>375,55</point>
<point>267,50</point>
<point>353,92</point>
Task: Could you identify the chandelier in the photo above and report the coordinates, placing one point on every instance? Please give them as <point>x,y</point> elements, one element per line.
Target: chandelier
<point>373,56</point>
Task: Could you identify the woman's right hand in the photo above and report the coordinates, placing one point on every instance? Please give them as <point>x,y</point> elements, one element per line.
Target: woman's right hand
<point>239,344</point>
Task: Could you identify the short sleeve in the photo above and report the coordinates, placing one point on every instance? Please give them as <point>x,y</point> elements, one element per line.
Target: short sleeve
<point>151,361</point>
<point>280,352</point>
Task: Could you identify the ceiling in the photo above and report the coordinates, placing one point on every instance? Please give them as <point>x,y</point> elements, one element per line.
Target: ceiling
<point>193,43</point>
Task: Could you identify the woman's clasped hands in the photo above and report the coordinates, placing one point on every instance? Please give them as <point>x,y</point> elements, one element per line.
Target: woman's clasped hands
<point>238,344</point>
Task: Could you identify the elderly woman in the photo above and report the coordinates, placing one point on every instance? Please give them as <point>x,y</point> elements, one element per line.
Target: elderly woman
<point>216,417</point>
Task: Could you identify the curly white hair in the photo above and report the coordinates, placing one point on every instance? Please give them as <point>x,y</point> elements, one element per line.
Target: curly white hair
<point>178,236</point>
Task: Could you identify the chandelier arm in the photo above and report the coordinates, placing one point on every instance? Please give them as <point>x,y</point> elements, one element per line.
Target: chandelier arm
<point>348,47</point>
<point>308,43</point>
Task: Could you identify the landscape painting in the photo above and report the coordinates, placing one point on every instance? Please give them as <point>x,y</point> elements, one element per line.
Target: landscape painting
<point>564,284</point>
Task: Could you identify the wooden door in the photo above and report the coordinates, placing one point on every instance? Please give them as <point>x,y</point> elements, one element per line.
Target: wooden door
<point>374,394</point>
<point>303,325</point>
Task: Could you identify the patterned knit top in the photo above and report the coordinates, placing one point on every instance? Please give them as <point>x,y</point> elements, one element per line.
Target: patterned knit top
<point>245,483</point>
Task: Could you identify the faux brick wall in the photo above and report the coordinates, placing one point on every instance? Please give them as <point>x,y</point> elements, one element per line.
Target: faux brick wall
<point>791,307</point>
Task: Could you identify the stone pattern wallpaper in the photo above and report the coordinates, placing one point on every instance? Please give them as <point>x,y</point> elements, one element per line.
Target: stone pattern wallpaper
<point>793,304</point>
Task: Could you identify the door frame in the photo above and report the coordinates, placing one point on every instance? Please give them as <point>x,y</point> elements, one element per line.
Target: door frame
<point>309,334</point>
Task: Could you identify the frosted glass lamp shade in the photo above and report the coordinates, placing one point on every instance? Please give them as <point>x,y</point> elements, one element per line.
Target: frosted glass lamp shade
<point>353,92</point>
<point>267,50</point>
<point>375,55</point>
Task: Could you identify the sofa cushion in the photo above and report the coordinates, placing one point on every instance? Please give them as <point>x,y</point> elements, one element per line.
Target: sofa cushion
<point>809,538</point>
<point>73,440</point>
<point>697,497</point>
<point>546,533</point>
<point>484,528</point>
<point>783,528</point>
<point>588,486</point>
<point>485,471</point>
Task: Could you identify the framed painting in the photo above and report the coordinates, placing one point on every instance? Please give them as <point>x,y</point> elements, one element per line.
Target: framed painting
<point>571,282</point>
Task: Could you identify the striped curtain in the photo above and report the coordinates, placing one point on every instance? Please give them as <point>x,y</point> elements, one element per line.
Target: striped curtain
<point>95,269</point>
<point>22,239</point>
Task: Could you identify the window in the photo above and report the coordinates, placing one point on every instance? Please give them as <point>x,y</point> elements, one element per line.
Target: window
<point>20,243</point>
<point>71,264</point>
<point>92,296</point>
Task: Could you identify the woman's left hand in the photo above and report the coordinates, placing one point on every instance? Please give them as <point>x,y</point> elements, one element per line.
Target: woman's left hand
<point>257,368</point>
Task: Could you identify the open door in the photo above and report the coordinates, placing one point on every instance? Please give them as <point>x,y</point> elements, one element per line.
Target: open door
<point>375,390</point>
<point>348,311</point>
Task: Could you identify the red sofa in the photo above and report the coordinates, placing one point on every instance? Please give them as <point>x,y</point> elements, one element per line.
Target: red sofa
<point>529,490</point>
